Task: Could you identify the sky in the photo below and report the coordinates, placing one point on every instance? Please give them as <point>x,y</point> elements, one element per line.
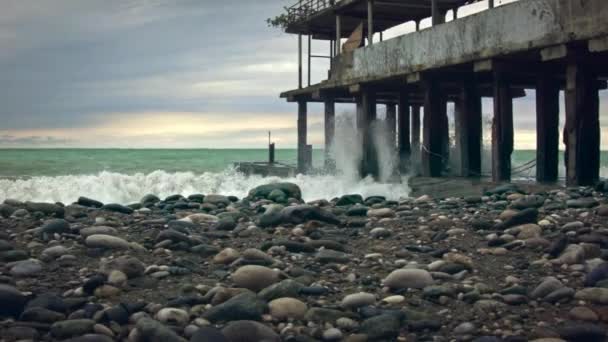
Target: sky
<point>162,73</point>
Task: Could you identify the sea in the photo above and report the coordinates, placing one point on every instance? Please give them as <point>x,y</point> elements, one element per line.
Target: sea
<point>126,175</point>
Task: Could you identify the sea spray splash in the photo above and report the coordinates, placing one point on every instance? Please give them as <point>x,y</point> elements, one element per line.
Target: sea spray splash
<point>385,150</point>
<point>347,147</point>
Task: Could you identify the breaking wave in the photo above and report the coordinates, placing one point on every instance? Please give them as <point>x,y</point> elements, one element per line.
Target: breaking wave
<point>112,187</point>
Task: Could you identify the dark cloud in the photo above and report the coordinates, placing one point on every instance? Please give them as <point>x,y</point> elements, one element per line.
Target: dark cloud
<point>73,64</point>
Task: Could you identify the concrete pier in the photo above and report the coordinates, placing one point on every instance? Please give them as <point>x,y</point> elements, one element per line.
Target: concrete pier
<point>545,45</point>
<point>330,129</point>
<point>302,136</point>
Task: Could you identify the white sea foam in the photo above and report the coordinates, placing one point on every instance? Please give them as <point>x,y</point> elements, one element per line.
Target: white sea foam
<point>110,187</point>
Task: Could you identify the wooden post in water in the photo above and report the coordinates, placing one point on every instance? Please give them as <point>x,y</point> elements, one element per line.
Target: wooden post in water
<point>547,128</point>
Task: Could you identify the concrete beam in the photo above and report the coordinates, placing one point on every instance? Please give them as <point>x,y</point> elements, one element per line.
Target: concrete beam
<point>598,45</point>
<point>554,52</point>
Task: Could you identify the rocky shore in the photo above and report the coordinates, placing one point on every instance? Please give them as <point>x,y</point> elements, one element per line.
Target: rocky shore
<point>502,266</point>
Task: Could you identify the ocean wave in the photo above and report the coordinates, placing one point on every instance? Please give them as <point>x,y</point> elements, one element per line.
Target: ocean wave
<point>112,187</point>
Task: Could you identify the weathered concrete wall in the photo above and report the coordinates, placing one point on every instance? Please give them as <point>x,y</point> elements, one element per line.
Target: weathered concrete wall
<point>519,26</point>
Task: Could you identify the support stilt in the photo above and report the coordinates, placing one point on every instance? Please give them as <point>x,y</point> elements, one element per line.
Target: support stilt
<point>415,163</point>
<point>468,132</point>
<point>366,113</point>
<point>302,127</point>
<point>330,127</point>
<point>502,129</point>
<point>547,128</point>
<point>405,149</point>
<point>391,123</point>
<point>434,130</point>
<point>582,131</point>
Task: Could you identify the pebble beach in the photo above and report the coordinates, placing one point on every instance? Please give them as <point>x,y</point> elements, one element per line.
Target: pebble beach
<point>507,264</point>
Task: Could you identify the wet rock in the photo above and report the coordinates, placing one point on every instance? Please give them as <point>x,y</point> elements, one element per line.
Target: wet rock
<point>272,216</point>
<point>173,316</point>
<point>597,274</point>
<point>582,203</point>
<point>26,268</point>
<point>349,200</point>
<point>357,300</point>
<point>332,334</point>
<point>381,327</point>
<point>130,266</point>
<point>117,208</point>
<point>72,328</point>
<point>595,295</point>
<point>247,331</point>
<point>106,241</point>
<point>380,213</point>
<point>285,288</point>
<point>98,230</point>
<point>55,226</point>
<point>327,255</point>
<point>582,313</point>
<point>149,200</point>
<point>284,308</point>
<point>226,256</point>
<point>324,315</point>
<point>302,213</point>
<point>45,208</point>
<point>12,301</point>
<point>255,277</point>
<point>246,306</point>
<point>149,330</point>
<point>582,332</point>
<point>88,202</point>
<point>263,191</point>
<point>41,315</point>
<point>528,231</point>
<point>408,278</point>
<point>529,215</point>
<point>547,286</point>
<point>216,199</point>
<point>208,334</point>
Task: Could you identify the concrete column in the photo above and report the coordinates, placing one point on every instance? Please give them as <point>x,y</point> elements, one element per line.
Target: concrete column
<point>299,61</point>
<point>330,127</point>
<point>469,129</point>
<point>302,127</point>
<point>405,149</point>
<point>391,123</point>
<point>370,22</point>
<point>438,15</point>
<point>338,48</point>
<point>366,113</point>
<point>415,158</point>
<point>582,131</point>
<point>547,129</point>
<point>502,129</point>
<point>490,3</point>
<point>434,130</point>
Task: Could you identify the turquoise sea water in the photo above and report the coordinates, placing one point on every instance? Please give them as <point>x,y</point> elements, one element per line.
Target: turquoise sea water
<point>123,176</point>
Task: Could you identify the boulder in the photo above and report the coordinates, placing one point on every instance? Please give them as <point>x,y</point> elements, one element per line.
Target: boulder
<point>263,191</point>
<point>408,278</point>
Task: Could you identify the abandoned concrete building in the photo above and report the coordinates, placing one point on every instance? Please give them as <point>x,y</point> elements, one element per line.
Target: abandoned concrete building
<point>546,45</point>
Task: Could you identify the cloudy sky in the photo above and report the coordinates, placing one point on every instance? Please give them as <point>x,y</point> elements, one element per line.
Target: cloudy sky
<point>158,73</point>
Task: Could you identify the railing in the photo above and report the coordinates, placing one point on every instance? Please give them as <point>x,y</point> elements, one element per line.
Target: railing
<point>306,8</point>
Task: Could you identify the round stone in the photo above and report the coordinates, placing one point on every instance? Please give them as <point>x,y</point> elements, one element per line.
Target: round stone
<point>173,316</point>
<point>357,300</point>
<point>226,256</point>
<point>284,308</point>
<point>408,278</point>
<point>254,277</point>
